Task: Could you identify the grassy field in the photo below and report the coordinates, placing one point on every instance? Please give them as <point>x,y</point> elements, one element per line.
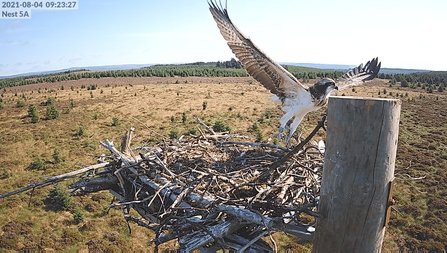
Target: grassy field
<point>107,107</point>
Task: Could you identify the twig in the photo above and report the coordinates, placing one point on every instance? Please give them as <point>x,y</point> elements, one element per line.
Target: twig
<point>56,179</point>
<point>254,144</point>
<point>164,166</point>
<point>242,249</point>
<point>204,125</point>
<point>295,150</point>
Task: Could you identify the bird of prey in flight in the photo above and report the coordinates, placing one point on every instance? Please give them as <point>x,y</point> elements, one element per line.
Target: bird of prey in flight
<point>295,98</point>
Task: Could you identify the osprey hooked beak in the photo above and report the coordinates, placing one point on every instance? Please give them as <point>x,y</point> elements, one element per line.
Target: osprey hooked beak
<point>332,87</point>
<point>329,83</point>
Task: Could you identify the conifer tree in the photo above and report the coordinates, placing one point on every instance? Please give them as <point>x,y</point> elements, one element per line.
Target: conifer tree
<point>52,111</point>
<point>33,112</point>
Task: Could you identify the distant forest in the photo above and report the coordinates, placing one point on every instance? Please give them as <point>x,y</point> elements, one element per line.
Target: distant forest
<point>429,81</point>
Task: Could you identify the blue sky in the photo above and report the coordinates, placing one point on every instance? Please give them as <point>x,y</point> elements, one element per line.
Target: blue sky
<point>404,34</point>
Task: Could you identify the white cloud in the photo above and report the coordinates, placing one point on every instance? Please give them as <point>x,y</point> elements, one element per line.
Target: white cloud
<point>14,43</point>
<point>10,26</point>
<point>75,59</point>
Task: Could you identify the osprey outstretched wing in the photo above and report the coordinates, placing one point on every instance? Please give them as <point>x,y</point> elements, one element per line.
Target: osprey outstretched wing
<point>359,75</point>
<point>296,99</point>
<point>266,71</point>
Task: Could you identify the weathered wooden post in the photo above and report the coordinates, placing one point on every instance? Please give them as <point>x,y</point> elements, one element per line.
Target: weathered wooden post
<point>358,170</point>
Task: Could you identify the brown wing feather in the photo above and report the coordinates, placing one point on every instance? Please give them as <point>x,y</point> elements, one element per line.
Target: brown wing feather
<point>359,75</point>
<point>269,73</point>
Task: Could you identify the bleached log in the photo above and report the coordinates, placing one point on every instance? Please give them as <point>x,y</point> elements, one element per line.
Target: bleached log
<point>88,185</point>
<point>204,125</point>
<point>124,158</point>
<point>246,215</point>
<point>137,208</point>
<point>56,179</point>
<point>128,164</point>
<point>200,238</point>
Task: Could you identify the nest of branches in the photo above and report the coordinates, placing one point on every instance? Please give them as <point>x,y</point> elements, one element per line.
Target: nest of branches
<point>210,191</point>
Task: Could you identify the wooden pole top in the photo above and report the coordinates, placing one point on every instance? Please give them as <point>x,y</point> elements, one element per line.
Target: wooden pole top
<point>367,99</point>
<point>361,146</point>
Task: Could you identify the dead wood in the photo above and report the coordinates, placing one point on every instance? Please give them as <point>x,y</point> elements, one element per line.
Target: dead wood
<point>55,179</point>
<point>206,190</point>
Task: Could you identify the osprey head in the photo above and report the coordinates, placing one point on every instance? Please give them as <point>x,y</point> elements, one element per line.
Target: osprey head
<point>320,91</point>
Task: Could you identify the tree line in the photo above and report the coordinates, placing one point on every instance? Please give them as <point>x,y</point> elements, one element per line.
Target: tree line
<point>429,81</point>
<point>225,69</point>
<point>230,68</point>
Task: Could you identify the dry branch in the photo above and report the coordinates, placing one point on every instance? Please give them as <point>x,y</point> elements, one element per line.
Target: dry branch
<point>206,190</point>
<point>56,179</point>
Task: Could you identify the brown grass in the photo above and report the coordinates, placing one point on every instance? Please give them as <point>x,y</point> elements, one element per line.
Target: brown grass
<point>418,222</point>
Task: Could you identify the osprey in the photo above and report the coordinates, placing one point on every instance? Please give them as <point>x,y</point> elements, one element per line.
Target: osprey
<point>295,98</point>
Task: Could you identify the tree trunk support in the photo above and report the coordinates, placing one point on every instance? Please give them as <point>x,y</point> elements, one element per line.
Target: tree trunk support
<point>358,170</point>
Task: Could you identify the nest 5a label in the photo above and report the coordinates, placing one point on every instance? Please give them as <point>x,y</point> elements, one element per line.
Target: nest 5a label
<point>22,9</point>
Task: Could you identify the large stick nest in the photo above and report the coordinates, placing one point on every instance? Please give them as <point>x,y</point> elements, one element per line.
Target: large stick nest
<point>209,191</point>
